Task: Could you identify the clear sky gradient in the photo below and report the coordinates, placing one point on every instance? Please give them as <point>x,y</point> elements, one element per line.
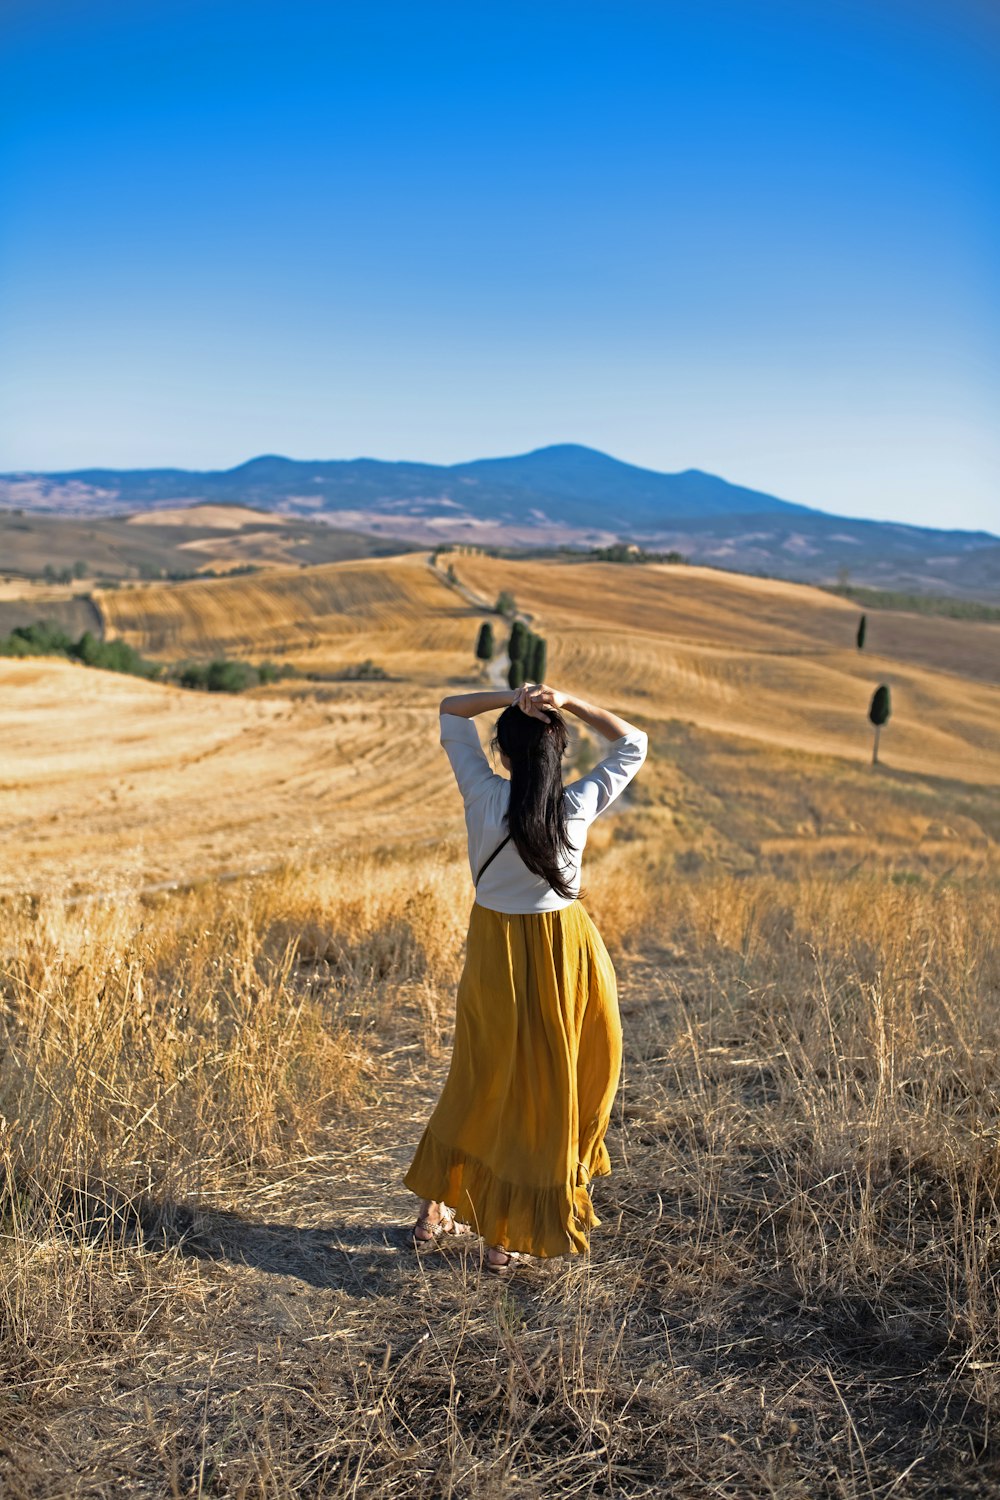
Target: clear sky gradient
<point>755,238</point>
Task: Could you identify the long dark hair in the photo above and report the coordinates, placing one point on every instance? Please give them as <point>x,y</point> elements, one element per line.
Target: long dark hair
<point>537,817</point>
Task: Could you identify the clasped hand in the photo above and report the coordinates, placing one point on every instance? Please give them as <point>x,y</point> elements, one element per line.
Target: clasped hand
<point>535,698</point>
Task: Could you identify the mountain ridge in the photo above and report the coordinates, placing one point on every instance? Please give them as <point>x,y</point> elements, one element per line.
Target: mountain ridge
<point>564,494</point>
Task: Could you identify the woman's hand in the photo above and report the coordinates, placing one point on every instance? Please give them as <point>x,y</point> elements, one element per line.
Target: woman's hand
<point>538,697</point>
<point>527,705</point>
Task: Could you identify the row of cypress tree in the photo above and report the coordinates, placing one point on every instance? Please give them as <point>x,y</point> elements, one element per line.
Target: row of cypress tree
<point>528,652</point>
<point>528,655</point>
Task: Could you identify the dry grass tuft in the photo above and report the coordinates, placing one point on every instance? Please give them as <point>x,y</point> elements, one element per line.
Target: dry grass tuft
<point>209,1100</point>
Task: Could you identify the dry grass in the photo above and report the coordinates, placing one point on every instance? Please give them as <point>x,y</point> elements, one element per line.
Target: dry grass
<point>135,783</point>
<point>738,612</point>
<point>208,1098</point>
<point>218,517</point>
<point>772,661</point>
<point>208,1102</point>
<point>131,783</point>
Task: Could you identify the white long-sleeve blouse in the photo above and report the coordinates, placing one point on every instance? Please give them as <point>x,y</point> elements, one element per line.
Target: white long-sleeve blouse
<point>507,884</point>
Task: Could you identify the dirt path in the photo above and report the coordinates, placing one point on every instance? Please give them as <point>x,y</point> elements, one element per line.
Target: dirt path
<point>478,601</point>
<point>499,667</point>
<point>285,1316</point>
<point>292,1319</point>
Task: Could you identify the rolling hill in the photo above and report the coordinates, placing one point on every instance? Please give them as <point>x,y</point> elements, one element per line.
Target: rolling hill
<point>174,541</point>
<point>771,661</point>
<point>752,691</point>
<point>556,496</point>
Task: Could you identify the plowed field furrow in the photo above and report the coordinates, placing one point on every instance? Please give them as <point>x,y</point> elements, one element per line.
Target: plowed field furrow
<point>710,606</point>
<point>106,778</point>
<point>292,609</point>
<point>716,649</point>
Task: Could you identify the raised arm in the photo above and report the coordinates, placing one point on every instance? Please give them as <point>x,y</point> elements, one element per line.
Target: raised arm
<point>595,792</point>
<point>612,726</point>
<point>467,705</point>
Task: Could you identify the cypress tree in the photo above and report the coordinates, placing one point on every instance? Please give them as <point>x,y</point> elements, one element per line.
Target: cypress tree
<point>528,656</point>
<point>878,712</point>
<point>538,659</point>
<point>484,643</point>
<point>517,645</point>
<point>515,674</point>
<point>861,632</point>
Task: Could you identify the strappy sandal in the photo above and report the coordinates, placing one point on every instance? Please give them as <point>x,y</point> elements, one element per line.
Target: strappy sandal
<point>501,1267</point>
<point>426,1231</point>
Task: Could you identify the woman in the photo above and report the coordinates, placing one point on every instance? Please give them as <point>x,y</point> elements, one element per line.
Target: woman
<point>518,1131</point>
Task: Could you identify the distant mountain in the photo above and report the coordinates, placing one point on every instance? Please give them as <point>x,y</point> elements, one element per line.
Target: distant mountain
<point>562,495</point>
<point>568,485</point>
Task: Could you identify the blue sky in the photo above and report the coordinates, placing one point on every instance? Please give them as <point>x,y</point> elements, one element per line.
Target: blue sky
<point>755,238</point>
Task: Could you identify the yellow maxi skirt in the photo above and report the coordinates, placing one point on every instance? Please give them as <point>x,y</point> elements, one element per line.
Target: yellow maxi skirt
<point>518,1131</point>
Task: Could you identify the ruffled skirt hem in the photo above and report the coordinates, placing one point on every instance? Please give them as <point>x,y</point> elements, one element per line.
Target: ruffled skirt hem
<point>542,1221</point>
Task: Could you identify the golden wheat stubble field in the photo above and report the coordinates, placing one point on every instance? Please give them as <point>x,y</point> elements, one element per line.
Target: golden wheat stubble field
<point>752,690</point>
<point>108,780</point>
<point>208,1096</point>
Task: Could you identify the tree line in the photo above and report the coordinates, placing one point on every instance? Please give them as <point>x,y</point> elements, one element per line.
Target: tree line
<point>220,675</point>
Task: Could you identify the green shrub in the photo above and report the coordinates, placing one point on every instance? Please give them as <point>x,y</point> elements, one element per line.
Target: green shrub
<point>45,638</point>
<point>193,674</point>
<point>222,675</point>
<point>365,671</point>
<point>113,656</point>
<point>229,676</point>
<point>273,671</point>
<point>12,645</point>
<point>48,639</point>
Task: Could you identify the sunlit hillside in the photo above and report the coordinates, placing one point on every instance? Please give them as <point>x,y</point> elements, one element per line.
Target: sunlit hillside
<point>395,611</point>
<point>109,781</point>
<point>752,691</point>
<point>770,660</point>
<point>174,542</point>
<point>758,657</point>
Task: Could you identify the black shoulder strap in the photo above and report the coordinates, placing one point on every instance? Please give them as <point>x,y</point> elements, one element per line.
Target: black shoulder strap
<point>492,857</point>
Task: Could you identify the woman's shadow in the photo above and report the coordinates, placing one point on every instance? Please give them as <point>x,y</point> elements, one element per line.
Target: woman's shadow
<point>359,1259</point>
<point>370,1259</point>
<point>366,1260</point>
